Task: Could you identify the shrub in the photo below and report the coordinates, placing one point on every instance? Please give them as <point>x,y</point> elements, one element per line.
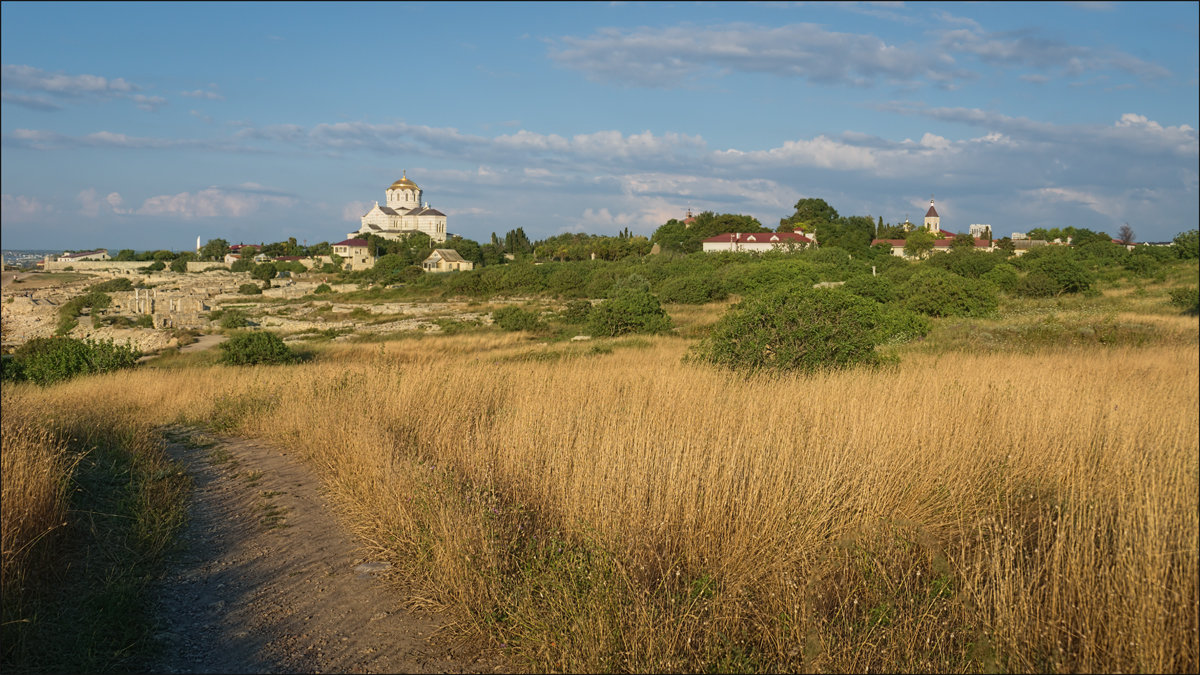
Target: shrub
<point>264,272</point>
<point>257,347</point>
<point>897,324</point>
<point>879,289</point>
<point>251,289</point>
<point>230,318</point>
<point>322,289</point>
<point>1064,274</point>
<point>1187,245</point>
<point>49,360</point>
<point>629,309</point>
<point>576,312</point>
<point>1003,276</point>
<point>112,285</point>
<point>795,329</point>
<point>937,292</point>
<point>144,321</point>
<point>156,266</point>
<point>513,318</point>
<point>1187,298</point>
<point>691,290</point>
<point>242,265</point>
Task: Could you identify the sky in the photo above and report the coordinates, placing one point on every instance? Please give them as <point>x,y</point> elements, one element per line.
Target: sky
<point>147,125</point>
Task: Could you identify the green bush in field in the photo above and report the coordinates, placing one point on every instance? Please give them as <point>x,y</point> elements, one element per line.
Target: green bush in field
<point>513,318</point>
<point>230,318</point>
<point>1003,276</point>
<point>144,321</point>
<point>576,312</point>
<point>630,308</point>
<point>112,286</point>
<point>249,289</point>
<point>691,290</point>
<point>242,265</point>
<point>937,292</point>
<point>1187,298</point>
<point>322,289</point>
<point>879,289</point>
<point>897,324</point>
<point>48,360</point>
<point>794,329</point>
<point>1064,275</point>
<point>256,347</point>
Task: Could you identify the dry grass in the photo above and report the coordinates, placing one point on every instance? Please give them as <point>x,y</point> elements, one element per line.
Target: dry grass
<point>621,511</point>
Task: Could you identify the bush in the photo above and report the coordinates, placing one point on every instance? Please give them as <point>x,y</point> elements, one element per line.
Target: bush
<point>1187,298</point>
<point>1003,276</point>
<point>251,289</point>
<point>144,321</point>
<point>796,329</point>
<point>264,272</point>
<point>112,285</point>
<point>691,290</point>
<point>252,348</point>
<point>576,312</point>
<point>937,292</point>
<point>322,289</point>
<point>156,266</point>
<point>1064,275</point>
<point>230,318</point>
<point>49,360</point>
<point>897,324</point>
<point>879,289</point>
<point>629,309</point>
<point>513,318</point>
<point>242,265</point>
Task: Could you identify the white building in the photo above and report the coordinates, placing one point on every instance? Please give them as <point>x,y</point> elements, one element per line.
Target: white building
<point>355,254</point>
<point>446,260</point>
<point>403,214</point>
<point>756,241</point>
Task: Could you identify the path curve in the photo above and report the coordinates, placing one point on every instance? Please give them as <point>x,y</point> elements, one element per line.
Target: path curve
<point>267,580</point>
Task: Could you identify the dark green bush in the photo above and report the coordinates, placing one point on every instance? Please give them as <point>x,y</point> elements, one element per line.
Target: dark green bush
<point>937,292</point>
<point>249,289</point>
<point>796,329</point>
<point>322,289</point>
<point>513,318</point>
<point>576,312</point>
<point>691,290</point>
<point>112,285</point>
<point>629,309</point>
<point>156,266</point>
<point>1186,298</point>
<point>255,347</point>
<point>1003,276</point>
<point>242,265</point>
<point>897,324</point>
<point>229,318</point>
<point>879,289</point>
<point>49,360</point>
<point>144,321</point>
<point>1065,274</point>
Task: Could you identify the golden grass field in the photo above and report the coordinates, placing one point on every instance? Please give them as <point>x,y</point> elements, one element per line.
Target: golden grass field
<point>606,506</point>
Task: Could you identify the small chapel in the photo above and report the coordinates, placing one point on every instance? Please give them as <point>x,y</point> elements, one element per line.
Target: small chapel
<point>403,214</point>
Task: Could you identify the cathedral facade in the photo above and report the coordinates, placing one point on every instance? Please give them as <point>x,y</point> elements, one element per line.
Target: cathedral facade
<point>403,215</point>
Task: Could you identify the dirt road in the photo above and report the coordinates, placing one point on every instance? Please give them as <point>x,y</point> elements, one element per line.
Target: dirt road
<point>267,580</point>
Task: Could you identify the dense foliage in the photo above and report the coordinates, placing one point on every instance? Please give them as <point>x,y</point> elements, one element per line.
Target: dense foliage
<point>629,308</point>
<point>255,347</point>
<point>53,359</point>
<point>796,329</point>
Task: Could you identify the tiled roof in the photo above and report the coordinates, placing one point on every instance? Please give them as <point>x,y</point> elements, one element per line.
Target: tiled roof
<point>352,242</point>
<point>424,211</point>
<point>758,238</point>
<point>83,253</point>
<point>448,254</point>
<point>288,258</point>
<point>932,212</point>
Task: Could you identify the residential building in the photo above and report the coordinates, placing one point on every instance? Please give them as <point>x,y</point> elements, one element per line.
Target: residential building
<point>355,254</point>
<point>446,260</point>
<point>756,242</point>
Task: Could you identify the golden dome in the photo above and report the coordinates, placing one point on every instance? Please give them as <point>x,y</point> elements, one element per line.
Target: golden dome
<point>404,182</point>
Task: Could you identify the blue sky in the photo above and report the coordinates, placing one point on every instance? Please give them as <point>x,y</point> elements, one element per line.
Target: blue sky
<point>146,125</point>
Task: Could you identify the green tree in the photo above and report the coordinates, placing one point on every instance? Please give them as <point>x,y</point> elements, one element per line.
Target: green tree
<point>795,329</point>
<point>1187,245</point>
<point>215,249</point>
<point>937,292</point>
<point>264,272</point>
<point>179,265</point>
<point>628,309</point>
<point>810,214</point>
<point>125,255</point>
<point>962,242</point>
<point>919,243</point>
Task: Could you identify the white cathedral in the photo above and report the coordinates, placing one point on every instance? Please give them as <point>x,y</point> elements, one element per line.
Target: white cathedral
<point>403,215</point>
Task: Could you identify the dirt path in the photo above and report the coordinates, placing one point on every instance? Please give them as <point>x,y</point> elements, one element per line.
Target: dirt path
<point>267,580</point>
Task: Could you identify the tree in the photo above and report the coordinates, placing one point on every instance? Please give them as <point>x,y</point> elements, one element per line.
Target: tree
<point>919,244</point>
<point>264,272</point>
<point>215,249</point>
<point>810,214</point>
<point>628,309</point>
<point>125,255</point>
<point>937,292</point>
<point>180,264</point>
<point>1187,245</point>
<point>675,235</point>
<point>794,329</point>
<point>962,241</point>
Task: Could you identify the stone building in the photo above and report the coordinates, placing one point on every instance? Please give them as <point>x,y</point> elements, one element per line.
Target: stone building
<point>403,214</point>
<point>446,260</point>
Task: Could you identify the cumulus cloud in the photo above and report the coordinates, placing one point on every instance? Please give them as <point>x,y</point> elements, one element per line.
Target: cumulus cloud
<point>1029,48</point>
<point>21,208</point>
<point>215,202</point>
<point>354,211</point>
<point>92,204</point>
<point>211,93</point>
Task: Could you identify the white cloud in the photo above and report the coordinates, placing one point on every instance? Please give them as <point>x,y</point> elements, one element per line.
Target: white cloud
<point>21,208</point>
<point>353,212</point>
<point>62,87</point>
<point>215,202</point>
<point>203,93</point>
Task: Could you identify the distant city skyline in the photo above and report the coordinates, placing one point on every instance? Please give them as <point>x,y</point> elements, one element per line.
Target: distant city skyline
<point>145,125</point>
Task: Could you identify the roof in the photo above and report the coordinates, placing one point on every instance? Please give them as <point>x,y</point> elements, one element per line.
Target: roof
<point>80,254</point>
<point>404,182</point>
<point>352,242</point>
<point>758,238</point>
<point>937,243</point>
<point>289,258</point>
<point>447,254</point>
<point>424,211</point>
<point>932,212</point>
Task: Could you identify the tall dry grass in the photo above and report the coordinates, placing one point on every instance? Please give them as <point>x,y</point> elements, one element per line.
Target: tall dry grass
<point>622,511</point>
